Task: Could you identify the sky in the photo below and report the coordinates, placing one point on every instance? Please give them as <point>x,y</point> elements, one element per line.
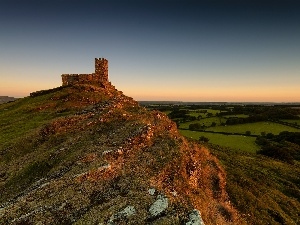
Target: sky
<point>181,50</point>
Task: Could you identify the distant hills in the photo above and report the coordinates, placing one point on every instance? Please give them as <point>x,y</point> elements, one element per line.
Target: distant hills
<point>216,103</point>
<point>4,99</point>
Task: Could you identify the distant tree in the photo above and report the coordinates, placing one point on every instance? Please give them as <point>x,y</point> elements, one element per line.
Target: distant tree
<point>176,113</point>
<point>263,133</point>
<point>195,126</point>
<point>213,124</point>
<point>209,115</point>
<point>248,132</point>
<point>278,152</point>
<point>261,141</point>
<point>285,146</point>
<point>177,123</point>
<point>203,139</point>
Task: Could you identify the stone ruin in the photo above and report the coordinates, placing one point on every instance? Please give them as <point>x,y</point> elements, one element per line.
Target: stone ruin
<point>100,76</point>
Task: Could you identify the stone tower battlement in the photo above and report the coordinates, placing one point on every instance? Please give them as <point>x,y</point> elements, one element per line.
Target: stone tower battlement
<point>100,76</point>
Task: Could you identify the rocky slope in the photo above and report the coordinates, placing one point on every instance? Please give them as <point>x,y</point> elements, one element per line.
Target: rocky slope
<point>86,154</point>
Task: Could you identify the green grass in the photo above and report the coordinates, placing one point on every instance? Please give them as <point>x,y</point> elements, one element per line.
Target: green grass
<point>19,118</point>
<point>292,121</point>
<point>235,142</point>
<point>264,190</point>
<point>195,113</point>
<point>213,111</point>
<point>15,124</point>
<point>255,128</point>
<point>191,113</point>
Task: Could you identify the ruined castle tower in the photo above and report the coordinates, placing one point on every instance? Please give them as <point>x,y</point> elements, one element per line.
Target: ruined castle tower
<point>100,77</point>
<point>101,69</point>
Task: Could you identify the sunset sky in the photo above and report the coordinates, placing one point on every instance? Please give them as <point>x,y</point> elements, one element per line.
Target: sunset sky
<point>157,49</point>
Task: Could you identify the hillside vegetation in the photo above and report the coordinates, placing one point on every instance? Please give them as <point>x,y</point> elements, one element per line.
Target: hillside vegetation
<point>85,154</point>
<point>259,148</point>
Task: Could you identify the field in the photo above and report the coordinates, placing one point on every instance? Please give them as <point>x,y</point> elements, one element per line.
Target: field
<point>197,113</point>
<point>236,142</point>
<point>292,121</point>
<point>255,128</point>
<point>213,122</point>
<point>238,115</point>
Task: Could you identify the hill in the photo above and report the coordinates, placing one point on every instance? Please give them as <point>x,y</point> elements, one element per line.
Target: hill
<point>87,154</point>
<point>262,170</point>
<point>4,99</point>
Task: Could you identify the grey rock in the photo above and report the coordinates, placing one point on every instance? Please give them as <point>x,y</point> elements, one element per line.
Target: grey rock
<point>160,205</point>
<point>195,218</point>
<point>151,191</point>
<point>2,211</point>
<point>125,213</point>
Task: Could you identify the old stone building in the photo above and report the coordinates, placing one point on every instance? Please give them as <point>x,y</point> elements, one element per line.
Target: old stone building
<point>100,76</point>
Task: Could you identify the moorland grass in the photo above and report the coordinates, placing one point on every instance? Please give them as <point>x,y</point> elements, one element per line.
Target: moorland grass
<point>264,190</point>
<point>23,116</point>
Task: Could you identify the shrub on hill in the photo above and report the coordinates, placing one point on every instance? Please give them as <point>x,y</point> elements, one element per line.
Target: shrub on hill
<point>182,114</point>
<point>284,146</point>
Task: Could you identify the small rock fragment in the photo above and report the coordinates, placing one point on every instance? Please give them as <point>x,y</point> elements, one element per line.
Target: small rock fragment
<point>151,191</point>
<point>174,193</point>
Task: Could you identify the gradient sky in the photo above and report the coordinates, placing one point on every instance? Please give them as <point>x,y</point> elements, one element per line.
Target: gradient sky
<point>157,50</point>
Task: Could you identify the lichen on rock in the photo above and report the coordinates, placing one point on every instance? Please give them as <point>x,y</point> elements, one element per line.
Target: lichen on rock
<point>124,214</point>
<point>159,206</point>
<point>195,218</point>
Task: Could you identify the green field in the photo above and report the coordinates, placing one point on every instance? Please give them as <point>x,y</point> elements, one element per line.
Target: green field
<point>255,128</point>
<point>238,116</point>
<point>292,121</point>
<point>167,112</point>
<point>236,142</point>
<point>196,114</point>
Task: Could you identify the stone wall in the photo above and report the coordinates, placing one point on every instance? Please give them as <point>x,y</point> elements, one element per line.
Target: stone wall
<point>99,77</point>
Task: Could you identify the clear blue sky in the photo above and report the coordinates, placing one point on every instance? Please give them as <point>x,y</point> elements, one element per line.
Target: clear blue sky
<point>157,50</point>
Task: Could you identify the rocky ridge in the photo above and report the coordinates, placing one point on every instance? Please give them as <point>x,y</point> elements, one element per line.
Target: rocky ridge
<point>104,159</point>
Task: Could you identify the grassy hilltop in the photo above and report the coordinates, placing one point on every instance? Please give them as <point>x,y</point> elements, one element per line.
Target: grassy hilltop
<point>86,154</point>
